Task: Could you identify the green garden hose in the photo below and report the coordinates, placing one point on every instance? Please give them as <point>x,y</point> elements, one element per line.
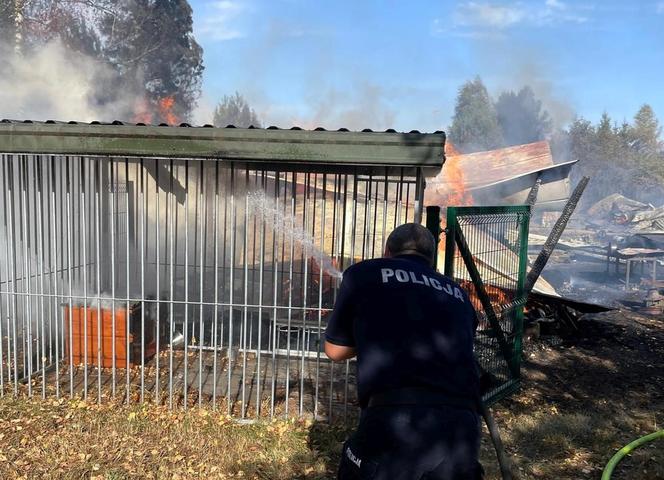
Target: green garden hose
<point>608,470</point>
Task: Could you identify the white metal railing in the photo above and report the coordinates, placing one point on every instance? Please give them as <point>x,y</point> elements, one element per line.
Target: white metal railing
<point>105,263</point>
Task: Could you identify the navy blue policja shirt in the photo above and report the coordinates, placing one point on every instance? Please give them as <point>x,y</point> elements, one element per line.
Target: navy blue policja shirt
<point>410,325</point>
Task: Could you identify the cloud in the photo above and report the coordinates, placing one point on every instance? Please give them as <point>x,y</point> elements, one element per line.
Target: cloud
<point>440,28</point>
<point>555,11</point>
<point>660,7</point>
<point>220,20</point>
<point>556,4</point>
<point>475,19</point>
<point>489,15</point>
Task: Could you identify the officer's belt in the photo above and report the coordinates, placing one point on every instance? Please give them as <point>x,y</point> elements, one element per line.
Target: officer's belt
<point>419,396</point>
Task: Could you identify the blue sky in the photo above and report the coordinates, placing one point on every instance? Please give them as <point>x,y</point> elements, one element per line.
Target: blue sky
<point>399,64</point>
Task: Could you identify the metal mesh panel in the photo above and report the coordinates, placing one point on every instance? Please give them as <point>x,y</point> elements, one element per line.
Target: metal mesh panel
<point>486,252</point>
<point>184,281</point>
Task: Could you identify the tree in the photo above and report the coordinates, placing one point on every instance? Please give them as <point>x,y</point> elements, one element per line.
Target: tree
<point>152,46</point>
<point>607,142</point>
<point>581,135</point>
<point>36,22</point>
<point>7,23</point>
<point>614,160</point>
<point>234,110</point>
<point>521,117</point>
<point>475,123</point>
<point>7,32</point>
<point>624,133</point>
<point>646,131</point>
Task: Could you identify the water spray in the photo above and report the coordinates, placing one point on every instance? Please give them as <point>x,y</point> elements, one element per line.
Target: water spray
<point>283,222</point>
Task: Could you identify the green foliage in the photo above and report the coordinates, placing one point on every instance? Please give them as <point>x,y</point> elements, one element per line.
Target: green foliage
<point>646,131</point>
<point>521,117</point>
<point>515,118</point>
<point>475,123</point>
<point>626,159</point>
<point>581,138</point>
<point>234,110</point>
<point>609,148</point>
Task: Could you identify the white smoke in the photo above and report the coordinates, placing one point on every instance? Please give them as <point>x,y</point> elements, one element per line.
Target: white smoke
<point>53,83</point>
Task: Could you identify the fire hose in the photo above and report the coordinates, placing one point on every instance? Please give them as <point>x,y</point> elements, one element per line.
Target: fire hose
<point>626,450</point>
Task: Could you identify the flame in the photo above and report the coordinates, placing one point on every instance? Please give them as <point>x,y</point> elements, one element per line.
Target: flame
<point>497,296</point>
<point>147,112</point>
<point>165,106</point>
<point>450,149</point>
<point>454,193</point>
<point>453,174</point>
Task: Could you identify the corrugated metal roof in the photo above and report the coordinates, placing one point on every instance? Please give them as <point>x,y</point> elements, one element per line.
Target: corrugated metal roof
<point>188,125</point>
<point>294,145</point>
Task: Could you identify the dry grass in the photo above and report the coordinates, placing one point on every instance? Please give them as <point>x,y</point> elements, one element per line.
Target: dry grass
<point>547,443</point>
<point>74,440</point>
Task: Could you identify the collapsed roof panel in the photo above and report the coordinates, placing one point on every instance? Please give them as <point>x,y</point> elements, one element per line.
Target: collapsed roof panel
<point>552,194</point>
<point>485,168</point>
<point>626,215</point>
<point>615,202</point>
<point>502,177</point>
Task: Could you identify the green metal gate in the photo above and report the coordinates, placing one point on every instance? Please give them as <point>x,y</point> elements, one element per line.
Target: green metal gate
<point>486,252</point>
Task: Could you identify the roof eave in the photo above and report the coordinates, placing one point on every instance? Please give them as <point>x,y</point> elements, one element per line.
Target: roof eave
<point>304,147</point>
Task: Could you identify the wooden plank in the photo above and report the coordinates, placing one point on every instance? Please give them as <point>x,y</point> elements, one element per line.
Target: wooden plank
<point>89,323</point>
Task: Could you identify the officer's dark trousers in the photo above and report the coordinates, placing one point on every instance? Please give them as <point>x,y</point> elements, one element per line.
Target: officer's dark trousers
<point>413,442</point>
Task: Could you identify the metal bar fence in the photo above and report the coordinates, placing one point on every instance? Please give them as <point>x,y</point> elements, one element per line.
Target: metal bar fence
<point>184,282</point>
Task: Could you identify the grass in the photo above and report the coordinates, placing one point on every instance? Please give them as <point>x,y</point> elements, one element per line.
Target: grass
<point>548,443</point>
<point>72,439</point>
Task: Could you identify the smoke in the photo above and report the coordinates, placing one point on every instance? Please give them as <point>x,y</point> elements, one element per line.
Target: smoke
<point>326,92</point>
<point>559,107</point>
<point>53,83</point>
<point>508,64</point>
<point>363,105</point>
<point>366,106</point>
<point>203,114</point>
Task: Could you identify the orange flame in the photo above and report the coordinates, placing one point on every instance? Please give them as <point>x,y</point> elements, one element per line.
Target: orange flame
<point>453,192</point>
<point>455,179</point>
<point>450,149</point>
<point>497,296</point>
<point>165,106</point>
<point>147,112</point>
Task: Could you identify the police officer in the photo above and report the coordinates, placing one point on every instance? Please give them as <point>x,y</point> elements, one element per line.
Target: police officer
<point>412,331</point>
